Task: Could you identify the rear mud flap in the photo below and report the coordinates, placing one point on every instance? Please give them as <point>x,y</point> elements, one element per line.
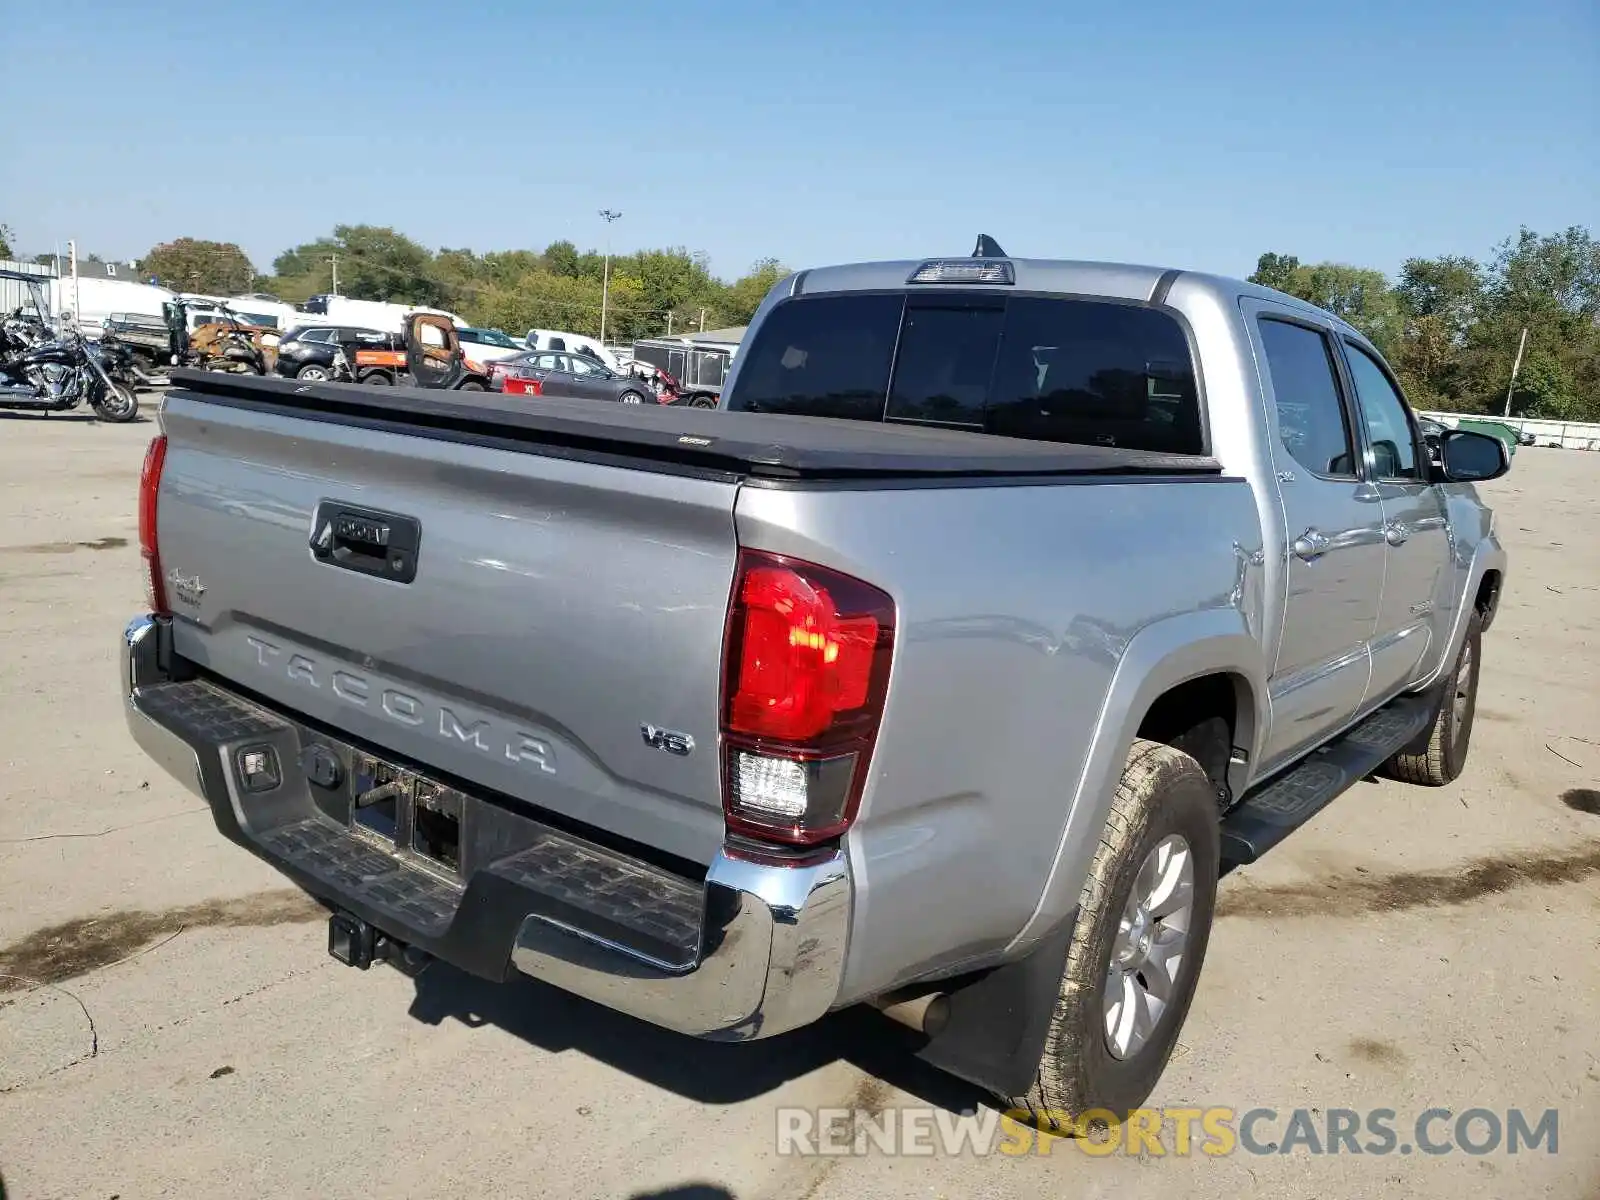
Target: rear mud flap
<point>997,1021</point>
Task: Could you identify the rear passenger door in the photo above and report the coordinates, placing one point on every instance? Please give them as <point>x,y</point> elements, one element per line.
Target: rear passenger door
<point>1414,526</point>
<point>1333,521</point>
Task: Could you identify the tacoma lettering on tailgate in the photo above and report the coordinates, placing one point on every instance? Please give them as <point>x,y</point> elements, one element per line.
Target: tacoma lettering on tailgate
<point>404,708</point>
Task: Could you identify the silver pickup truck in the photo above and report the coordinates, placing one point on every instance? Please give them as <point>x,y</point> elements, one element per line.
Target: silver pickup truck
<point>1000,607</point>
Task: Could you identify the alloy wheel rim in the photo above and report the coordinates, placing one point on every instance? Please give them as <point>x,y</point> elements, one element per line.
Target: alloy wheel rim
<point>1151,947</point>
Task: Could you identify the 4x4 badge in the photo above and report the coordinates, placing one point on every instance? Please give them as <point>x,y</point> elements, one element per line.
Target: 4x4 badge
<point>188,588</point>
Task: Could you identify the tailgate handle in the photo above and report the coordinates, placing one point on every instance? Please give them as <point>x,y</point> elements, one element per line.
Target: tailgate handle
<point>366,540</point>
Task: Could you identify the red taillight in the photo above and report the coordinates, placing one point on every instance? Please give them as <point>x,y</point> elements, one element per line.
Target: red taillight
<point>806,673</point>
<point>801,662</point>
<point>155,458</point>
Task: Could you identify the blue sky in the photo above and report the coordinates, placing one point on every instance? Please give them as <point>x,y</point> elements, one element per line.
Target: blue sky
<point>1191,134</point>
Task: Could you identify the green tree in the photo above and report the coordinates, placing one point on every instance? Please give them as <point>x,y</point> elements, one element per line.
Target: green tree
<point>1360,295</point>
<point>1555,277</point>
<point>1550,286</point>
<point>561,258</point>
<point>374,262</point>
<point>5,240</point>
<point>1544,388</point>
<point>196,265</point>
<point>745,294</point>
<point>539,300</point>
<point>1449,288</point>
<point>1275,270</point>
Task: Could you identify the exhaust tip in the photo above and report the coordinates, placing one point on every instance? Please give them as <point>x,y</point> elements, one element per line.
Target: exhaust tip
<point>927,1013</point>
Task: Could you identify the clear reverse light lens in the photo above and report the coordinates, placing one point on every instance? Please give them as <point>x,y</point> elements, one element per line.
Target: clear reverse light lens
<point>964,270</point>
<point>770,787</point>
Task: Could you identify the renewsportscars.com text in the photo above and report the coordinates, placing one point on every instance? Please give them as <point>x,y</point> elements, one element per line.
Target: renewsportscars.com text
<point>1216,1131</point>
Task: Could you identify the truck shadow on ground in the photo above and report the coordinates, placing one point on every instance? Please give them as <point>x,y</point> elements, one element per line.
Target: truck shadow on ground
<point>708,1072</point>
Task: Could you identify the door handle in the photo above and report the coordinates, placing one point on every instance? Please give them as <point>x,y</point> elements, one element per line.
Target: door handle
<point>1311,544</point>
<point>1395,533</point>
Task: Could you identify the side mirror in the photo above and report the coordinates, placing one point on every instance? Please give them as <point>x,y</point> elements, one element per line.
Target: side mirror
<point>1468,457</point>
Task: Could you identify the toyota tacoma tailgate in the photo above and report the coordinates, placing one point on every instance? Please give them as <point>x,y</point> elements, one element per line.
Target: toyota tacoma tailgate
<point>543,627</point>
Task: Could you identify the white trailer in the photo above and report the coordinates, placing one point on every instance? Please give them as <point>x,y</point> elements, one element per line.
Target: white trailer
<point>365,314</point>
<point>91,301</point>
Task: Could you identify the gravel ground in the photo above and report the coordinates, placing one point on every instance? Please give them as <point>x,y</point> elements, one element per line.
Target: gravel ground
<point>170,1023</point>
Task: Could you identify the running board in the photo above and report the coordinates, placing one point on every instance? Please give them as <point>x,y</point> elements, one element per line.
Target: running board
<point>1273,811</point>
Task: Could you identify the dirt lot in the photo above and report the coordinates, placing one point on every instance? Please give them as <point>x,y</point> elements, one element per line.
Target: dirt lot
<point>1412,949</point>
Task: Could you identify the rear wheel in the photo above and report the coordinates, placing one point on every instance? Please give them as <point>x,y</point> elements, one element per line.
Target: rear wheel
<point>313,373</point>
<point>1443,756</point>
<point>378,379</point>
<point>471,385</point>
<point>1143,922</point>
<point>630,398</point>
<point>703,402</point>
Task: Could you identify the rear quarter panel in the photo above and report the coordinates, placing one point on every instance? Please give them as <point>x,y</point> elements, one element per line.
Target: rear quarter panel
<point>1016,609</point>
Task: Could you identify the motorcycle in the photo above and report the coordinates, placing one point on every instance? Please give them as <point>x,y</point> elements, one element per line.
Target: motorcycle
<point>44,373</point>
<point>120,362</point>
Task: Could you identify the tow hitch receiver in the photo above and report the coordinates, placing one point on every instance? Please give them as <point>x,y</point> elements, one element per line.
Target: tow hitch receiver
<point>351,940</point>
<point>356,943</point>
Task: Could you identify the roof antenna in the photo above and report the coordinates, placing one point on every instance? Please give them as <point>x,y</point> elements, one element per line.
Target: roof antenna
<point>987,247</point>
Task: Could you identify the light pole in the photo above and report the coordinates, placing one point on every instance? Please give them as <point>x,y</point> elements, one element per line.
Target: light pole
<point>1516,366</point>
<point>608,216</point>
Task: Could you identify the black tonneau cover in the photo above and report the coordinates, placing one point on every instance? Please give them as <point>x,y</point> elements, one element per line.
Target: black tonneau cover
<point>766,445</point>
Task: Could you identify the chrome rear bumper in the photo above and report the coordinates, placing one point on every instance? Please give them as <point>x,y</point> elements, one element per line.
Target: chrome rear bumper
<point>770,951</point>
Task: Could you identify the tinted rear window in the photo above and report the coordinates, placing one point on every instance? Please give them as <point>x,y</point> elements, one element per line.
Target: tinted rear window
<point>1089,372</point>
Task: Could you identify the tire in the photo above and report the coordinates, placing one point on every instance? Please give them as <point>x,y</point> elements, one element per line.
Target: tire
<point>471,385</point>
<point>1164,805</point>
<point>314,373</point>
<point>630,397</point>
<point>119,405</point>
<point>703,402</point>
<point>1443,756</point>
<point>378,379</point>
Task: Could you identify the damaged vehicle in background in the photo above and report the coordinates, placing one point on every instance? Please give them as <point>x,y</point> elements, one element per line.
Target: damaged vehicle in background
<point>427,353</point>
<point>209,336</point>
<point>577,376</point>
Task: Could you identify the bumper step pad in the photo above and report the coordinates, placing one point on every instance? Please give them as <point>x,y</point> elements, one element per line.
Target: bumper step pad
<point>590,888</point>
<point>321,848</point>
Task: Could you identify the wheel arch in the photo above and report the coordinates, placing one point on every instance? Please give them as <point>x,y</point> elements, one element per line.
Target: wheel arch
<point>1487,597</point>
<point>1191,663</point>
<point>1482,586</point>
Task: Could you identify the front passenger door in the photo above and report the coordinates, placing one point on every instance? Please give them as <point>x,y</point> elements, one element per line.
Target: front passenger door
<point>1333,523</point>
<point>1414,528</point>
<point>587,380</point>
